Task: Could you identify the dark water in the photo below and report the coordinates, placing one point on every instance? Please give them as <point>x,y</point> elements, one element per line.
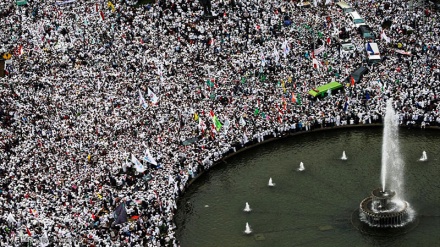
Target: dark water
<point>314,207</point>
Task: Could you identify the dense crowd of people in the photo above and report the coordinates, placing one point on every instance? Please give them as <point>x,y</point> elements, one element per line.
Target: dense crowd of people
<point>108,110</point>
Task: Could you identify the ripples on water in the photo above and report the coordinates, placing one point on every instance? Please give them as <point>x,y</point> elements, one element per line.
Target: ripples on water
<point>310,208</point>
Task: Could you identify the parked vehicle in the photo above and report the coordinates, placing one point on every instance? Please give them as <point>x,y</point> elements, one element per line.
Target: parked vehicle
<point>366,32</point>
<point>347,47</point>
<point>373,54</point>
<point>356,75</point>
<point>355,20</point>
<point>346,8</point>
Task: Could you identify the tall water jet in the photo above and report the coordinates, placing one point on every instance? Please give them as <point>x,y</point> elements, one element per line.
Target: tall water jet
<point>392,163</point>
<point>247,208</point>
<point>344,157</point>
<point>385,212</point>
<point>248,229</point>
<point>424,156</point>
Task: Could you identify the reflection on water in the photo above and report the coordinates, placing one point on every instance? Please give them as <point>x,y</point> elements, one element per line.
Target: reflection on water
<point>313,207</point>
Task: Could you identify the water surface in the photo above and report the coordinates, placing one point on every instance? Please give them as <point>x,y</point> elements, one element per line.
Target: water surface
<point>314,207</point>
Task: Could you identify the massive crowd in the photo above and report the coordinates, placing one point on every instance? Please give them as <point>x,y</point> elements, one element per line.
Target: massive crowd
<point>95,86</point>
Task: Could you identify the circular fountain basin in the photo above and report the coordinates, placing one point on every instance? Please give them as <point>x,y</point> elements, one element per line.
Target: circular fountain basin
<point>381,214</point>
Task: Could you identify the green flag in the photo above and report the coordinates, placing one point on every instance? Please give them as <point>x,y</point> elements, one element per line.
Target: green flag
<point>320,35</point>
<point>256,111</point>
<point>298,99</point>
<point>263,77</point>
<point>243,79</point>
<point>263,115</point>
<point>217,123</point>
<point>209,83</point>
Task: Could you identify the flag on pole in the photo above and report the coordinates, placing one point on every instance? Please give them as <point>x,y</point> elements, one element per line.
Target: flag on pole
<point>137,164</point>
<point>19,50</point>
<point>11,218</point>
<point>226,125</point>
<point>315,63</point>
<point>263,59</point>
<point>283,86</point>
<point>149,158</point>
<point>209,83</point>
<point>384,37</point>
<point>202,125</point>
<point>159,71</point>
<point>293,98</point>
<point>196,116</point>
<point>153,97</point>
<point>120,214</point>
<point>44,240</point>
<point>242,122</point>
<point>243,79</point>
<point>217,124</point>
<point>276,55</point>
<point>257,111</point>
<point>285,47</point>
<point>142,101</point>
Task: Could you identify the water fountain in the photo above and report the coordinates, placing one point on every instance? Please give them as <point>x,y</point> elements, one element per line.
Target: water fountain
<point>247,208</point>
<point>424,156</point>
<point>248,229</point>
<point>271,184</point>
<point>385,211</point>
<point>301,167</point>
<point>344,157</point>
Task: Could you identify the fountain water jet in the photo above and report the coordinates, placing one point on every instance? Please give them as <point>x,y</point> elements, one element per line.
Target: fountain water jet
<point>248,229</point>
<point>247,208</point>
<point>271,184</point>
<point>385,212</point>
<point>344,157</point>
<point>424,156</point>
<point>301,167</point>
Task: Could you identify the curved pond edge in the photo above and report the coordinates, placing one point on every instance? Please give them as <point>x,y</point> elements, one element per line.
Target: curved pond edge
<point>285,135</point>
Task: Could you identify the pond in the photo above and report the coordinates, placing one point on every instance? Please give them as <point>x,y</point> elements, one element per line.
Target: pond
<point>313,207</point>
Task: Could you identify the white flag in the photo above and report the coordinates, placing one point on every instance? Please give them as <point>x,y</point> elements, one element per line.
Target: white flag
<point>160,72</point>
<point>153,97</point>
<point>137,164</point>
<point>226,125</point>
<point>149,158</point>
<point>242,122</point>
<point>142,101</point>
<point>245,139</point>
<point>276,55</point>
<point>11,218</point>
<point>285,47</point>
<point>263,59</point>
<point>385,37</point>
<point>44,240</point>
